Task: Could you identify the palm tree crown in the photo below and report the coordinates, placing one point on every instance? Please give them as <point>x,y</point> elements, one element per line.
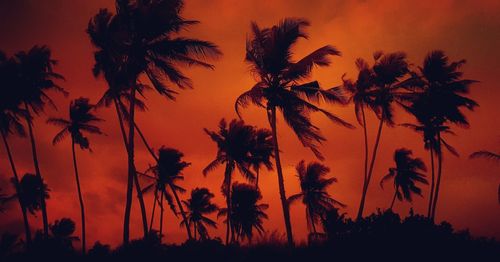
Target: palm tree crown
<point>269,53</point>
<point>246,213</point>
<point>406,175</point>
<point>199,206</point>
<point>31,190</point>
<point>81,120</point>
<point>313,184</point>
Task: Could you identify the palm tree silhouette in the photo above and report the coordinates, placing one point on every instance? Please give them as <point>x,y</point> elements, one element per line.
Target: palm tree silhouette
<point>242,147</point>
<point>62,231</point>
<point>440,96</point>
<point>269,53</point>
<point>166,173</point>
<point>313,185</point>
<point>81,120</point>
<point>378,87</point>
<point>35,76</point>
<point>10,124</point>
<point>246,213</point>
<point>142,39</point>
<point>406,175</point>
<point>198,206</point>
<point>488,155</point>
<point>31,190</point>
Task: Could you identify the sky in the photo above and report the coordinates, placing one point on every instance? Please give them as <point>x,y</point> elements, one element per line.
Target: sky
<point>464,29</point>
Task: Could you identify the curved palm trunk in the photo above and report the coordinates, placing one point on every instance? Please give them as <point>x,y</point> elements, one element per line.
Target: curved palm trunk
<point>393,200</point>
<point>153,211</point>
<point>369,175</point>
<point>431,196</point>
<point>161,216</point>
<point>227,182</point>
<point>27,229</point>
<point>177,199</point>
<point>257,179</point>
<point>38,174</point>
<point>281,183</point>
<point>181,209</point>
<point>80,198</point>
<point>132,178</point>
<point>438,180</point>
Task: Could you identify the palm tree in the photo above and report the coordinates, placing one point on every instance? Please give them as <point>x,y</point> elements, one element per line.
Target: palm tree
<point>10,124</point>
<point>166,173</point>
<point>143,39</point>
<point>62,231</point>
<point>198,206</point>
<point>35,76</point>
<point>313,185</point>
<point>439,100</point>
<point>242,147</point>
<point>406,175</point>
<point>378,87</point>
<point>31,190</point>
<point>488,155</point>
<point>262,152</point>
<point>269,53</point>
<point>81,120</point>
<point>246,213</point>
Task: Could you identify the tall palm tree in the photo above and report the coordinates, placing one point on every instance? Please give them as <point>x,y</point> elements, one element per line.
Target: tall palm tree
<point>313,185</point>
<point>35,76</point>
<point>242,147</point>
<point>246,213</point>
<point>488,155</point>
<point>81,120</point>
<point>280,87</point>
<point>378,87</point>
<point>199,206</point>
<point>10,124</point>
<point>440,97</point>
<point>143,39</point>
<point>166,173</point>
<point>406,175</point>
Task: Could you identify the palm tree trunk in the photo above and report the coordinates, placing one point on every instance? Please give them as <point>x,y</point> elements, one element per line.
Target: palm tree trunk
<point>181,209</point>
<point>393,200</point>
<point>227,181</point>
<point>365,133</point>
<point>369,175</point>
<point>153,211</point>
<point>38,173</point>
<point>27,229</point>
<point>431,196</point>
<point>161,216</point>
<point>281,183</point>
<point>311,218</point>
<point>438,181</point>
<point>257,179</point>
<point>80,198</point>
<point>132,175</point>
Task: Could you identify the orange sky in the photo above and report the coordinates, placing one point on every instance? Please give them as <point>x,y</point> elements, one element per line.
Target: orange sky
<point>464,29</point>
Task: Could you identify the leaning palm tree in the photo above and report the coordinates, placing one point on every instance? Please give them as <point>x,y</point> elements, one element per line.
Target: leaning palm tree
<point>246,213</point>
<point>488,155</point>
<point>81,120</point>
<point>242,147</point>
<point>378,88</point>
<point>143,39</point>
<point>35,76</point>
<point>280,87</point>
<point>406,175</point>
<point>440,97</point>
<point>313,185</point>
<point>166,173</point>
<point>10,124</point>
<point>199,206</point>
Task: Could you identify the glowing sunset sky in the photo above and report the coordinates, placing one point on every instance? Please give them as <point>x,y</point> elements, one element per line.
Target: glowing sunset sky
<point>463,29</point>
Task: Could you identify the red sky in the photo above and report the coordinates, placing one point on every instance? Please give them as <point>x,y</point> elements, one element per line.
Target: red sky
<point>464,29</point>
